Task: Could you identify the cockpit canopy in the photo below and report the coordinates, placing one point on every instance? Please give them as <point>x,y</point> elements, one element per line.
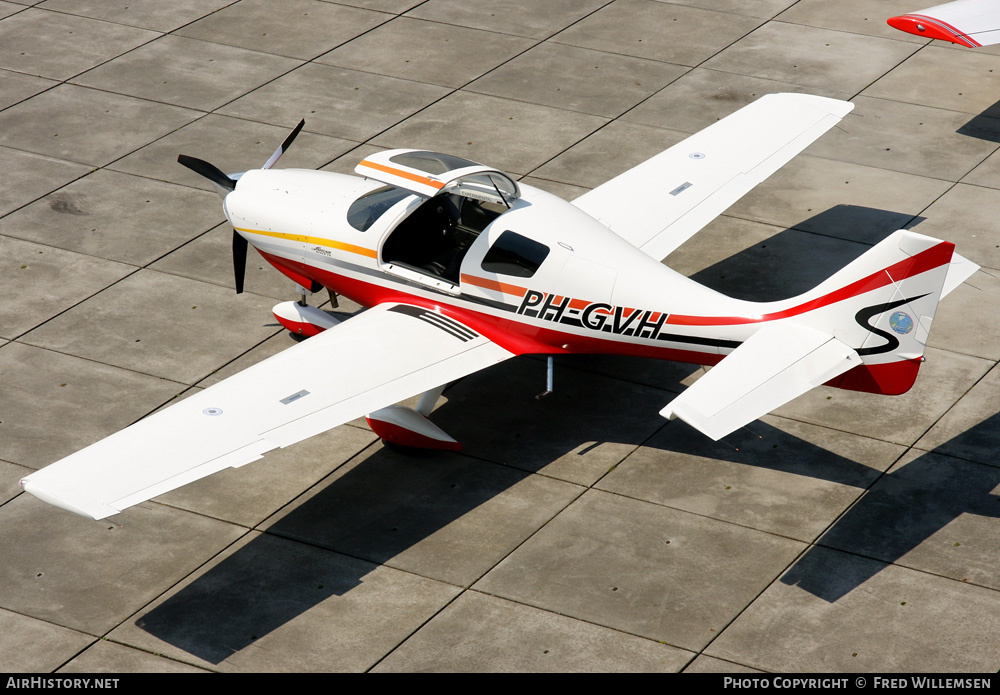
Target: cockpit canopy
<point>430,173</point>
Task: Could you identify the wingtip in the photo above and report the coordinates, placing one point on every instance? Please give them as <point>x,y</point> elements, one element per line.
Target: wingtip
<point>88,510</point>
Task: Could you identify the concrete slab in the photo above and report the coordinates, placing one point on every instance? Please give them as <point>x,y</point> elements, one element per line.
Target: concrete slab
<point>708,664</point>
<point>10,475</point>
<point>966,81</point>
<point>964,216</point>
<point>447,517</point>
<point>508,16</point>
<point>971,429</point>
<point>143,552</point>
<point>658,31</point>
<point>612,150</point>
<point>986,174</point>
<point>47,403</point>
<point>41,282</point>
<point>513,136</point>
<point>250,494</point>
<point>854,16</point>
<point>270,604</point>
<point>642,568</point>
<point>517,638</point>
<point>59,46</point>
<point>15,87</point>
<point>29,645</point>
<point>578,79</point>
<point>232,144</point>
<point>700,97</point>
<point>414,49</point>
<point>187,72</point>
<point>839,199</point>
<point>342,103</point>
<point>9,8</point>
<point>893,135</point>
<point>752,8</point>
<point>776,475</point>
<point>137,309</point>
<point>148,14</point>
<point>209,258</point>
<point>902,621</point>
<point>830,63</point>
<point>60,123</point>
<point>300,29</point>
<point>38,175</point>
<point>117,217</point>
<point>964,320</point>
<point>107,657</point>
<point>933,513</point>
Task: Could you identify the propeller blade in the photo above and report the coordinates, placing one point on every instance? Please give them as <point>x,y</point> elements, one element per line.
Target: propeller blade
<point>284,146</point>
<point>239,259</point>
<point>209,171</point>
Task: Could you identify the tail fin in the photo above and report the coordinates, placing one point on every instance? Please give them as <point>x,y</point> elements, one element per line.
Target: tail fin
<point>864,329</point>
<point>882,305</point>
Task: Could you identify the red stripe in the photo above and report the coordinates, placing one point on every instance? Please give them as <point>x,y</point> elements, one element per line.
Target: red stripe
<point>525,339</point>
<point>929,259</point>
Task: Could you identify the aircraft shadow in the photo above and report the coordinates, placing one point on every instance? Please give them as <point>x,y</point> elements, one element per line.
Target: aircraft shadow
<point>985,126</point>
<point>381,509</point>
<point>795,260</point>
<point>902,511</point>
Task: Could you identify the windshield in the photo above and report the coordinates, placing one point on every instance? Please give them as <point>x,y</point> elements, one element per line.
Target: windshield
<point>366,210</point>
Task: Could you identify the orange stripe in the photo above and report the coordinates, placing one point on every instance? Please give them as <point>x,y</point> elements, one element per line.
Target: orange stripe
<point>494,285</point>
<point>342,246</point>
<point>403,174</point>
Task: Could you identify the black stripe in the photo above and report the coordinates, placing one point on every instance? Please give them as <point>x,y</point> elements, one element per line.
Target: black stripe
<point>697,340</point>
<point>443,323</point>
<point>866,314</point>
<point>449,323</point>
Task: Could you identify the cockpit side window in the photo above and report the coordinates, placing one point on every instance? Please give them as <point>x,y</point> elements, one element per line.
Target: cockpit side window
<point>516,255</point>
<point>366,210</point>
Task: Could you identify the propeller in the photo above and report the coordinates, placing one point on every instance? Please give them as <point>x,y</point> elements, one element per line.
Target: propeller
<point>224,184</point>
<point>209,171</point>
<point>283,147</point>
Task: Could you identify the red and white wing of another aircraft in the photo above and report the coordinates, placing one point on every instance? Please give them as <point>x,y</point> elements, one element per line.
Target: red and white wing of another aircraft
<point>971,23</point>
<point>463,267</point>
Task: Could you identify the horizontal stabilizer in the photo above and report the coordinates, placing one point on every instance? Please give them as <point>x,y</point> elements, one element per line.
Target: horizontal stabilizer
<point>959,270</point>
<point>777,364</point>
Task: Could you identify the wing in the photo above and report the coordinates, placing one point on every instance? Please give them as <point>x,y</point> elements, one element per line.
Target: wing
<point>774,366</point>
<point>379,357</point>
<point>664,201</point>
<point>972,23</point>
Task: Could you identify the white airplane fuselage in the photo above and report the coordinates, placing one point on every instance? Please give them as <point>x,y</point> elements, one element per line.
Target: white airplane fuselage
<point>593,293</point>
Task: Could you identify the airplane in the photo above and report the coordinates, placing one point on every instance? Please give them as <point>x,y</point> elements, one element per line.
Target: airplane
<point>462,267</point>
<point>971,23</point>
